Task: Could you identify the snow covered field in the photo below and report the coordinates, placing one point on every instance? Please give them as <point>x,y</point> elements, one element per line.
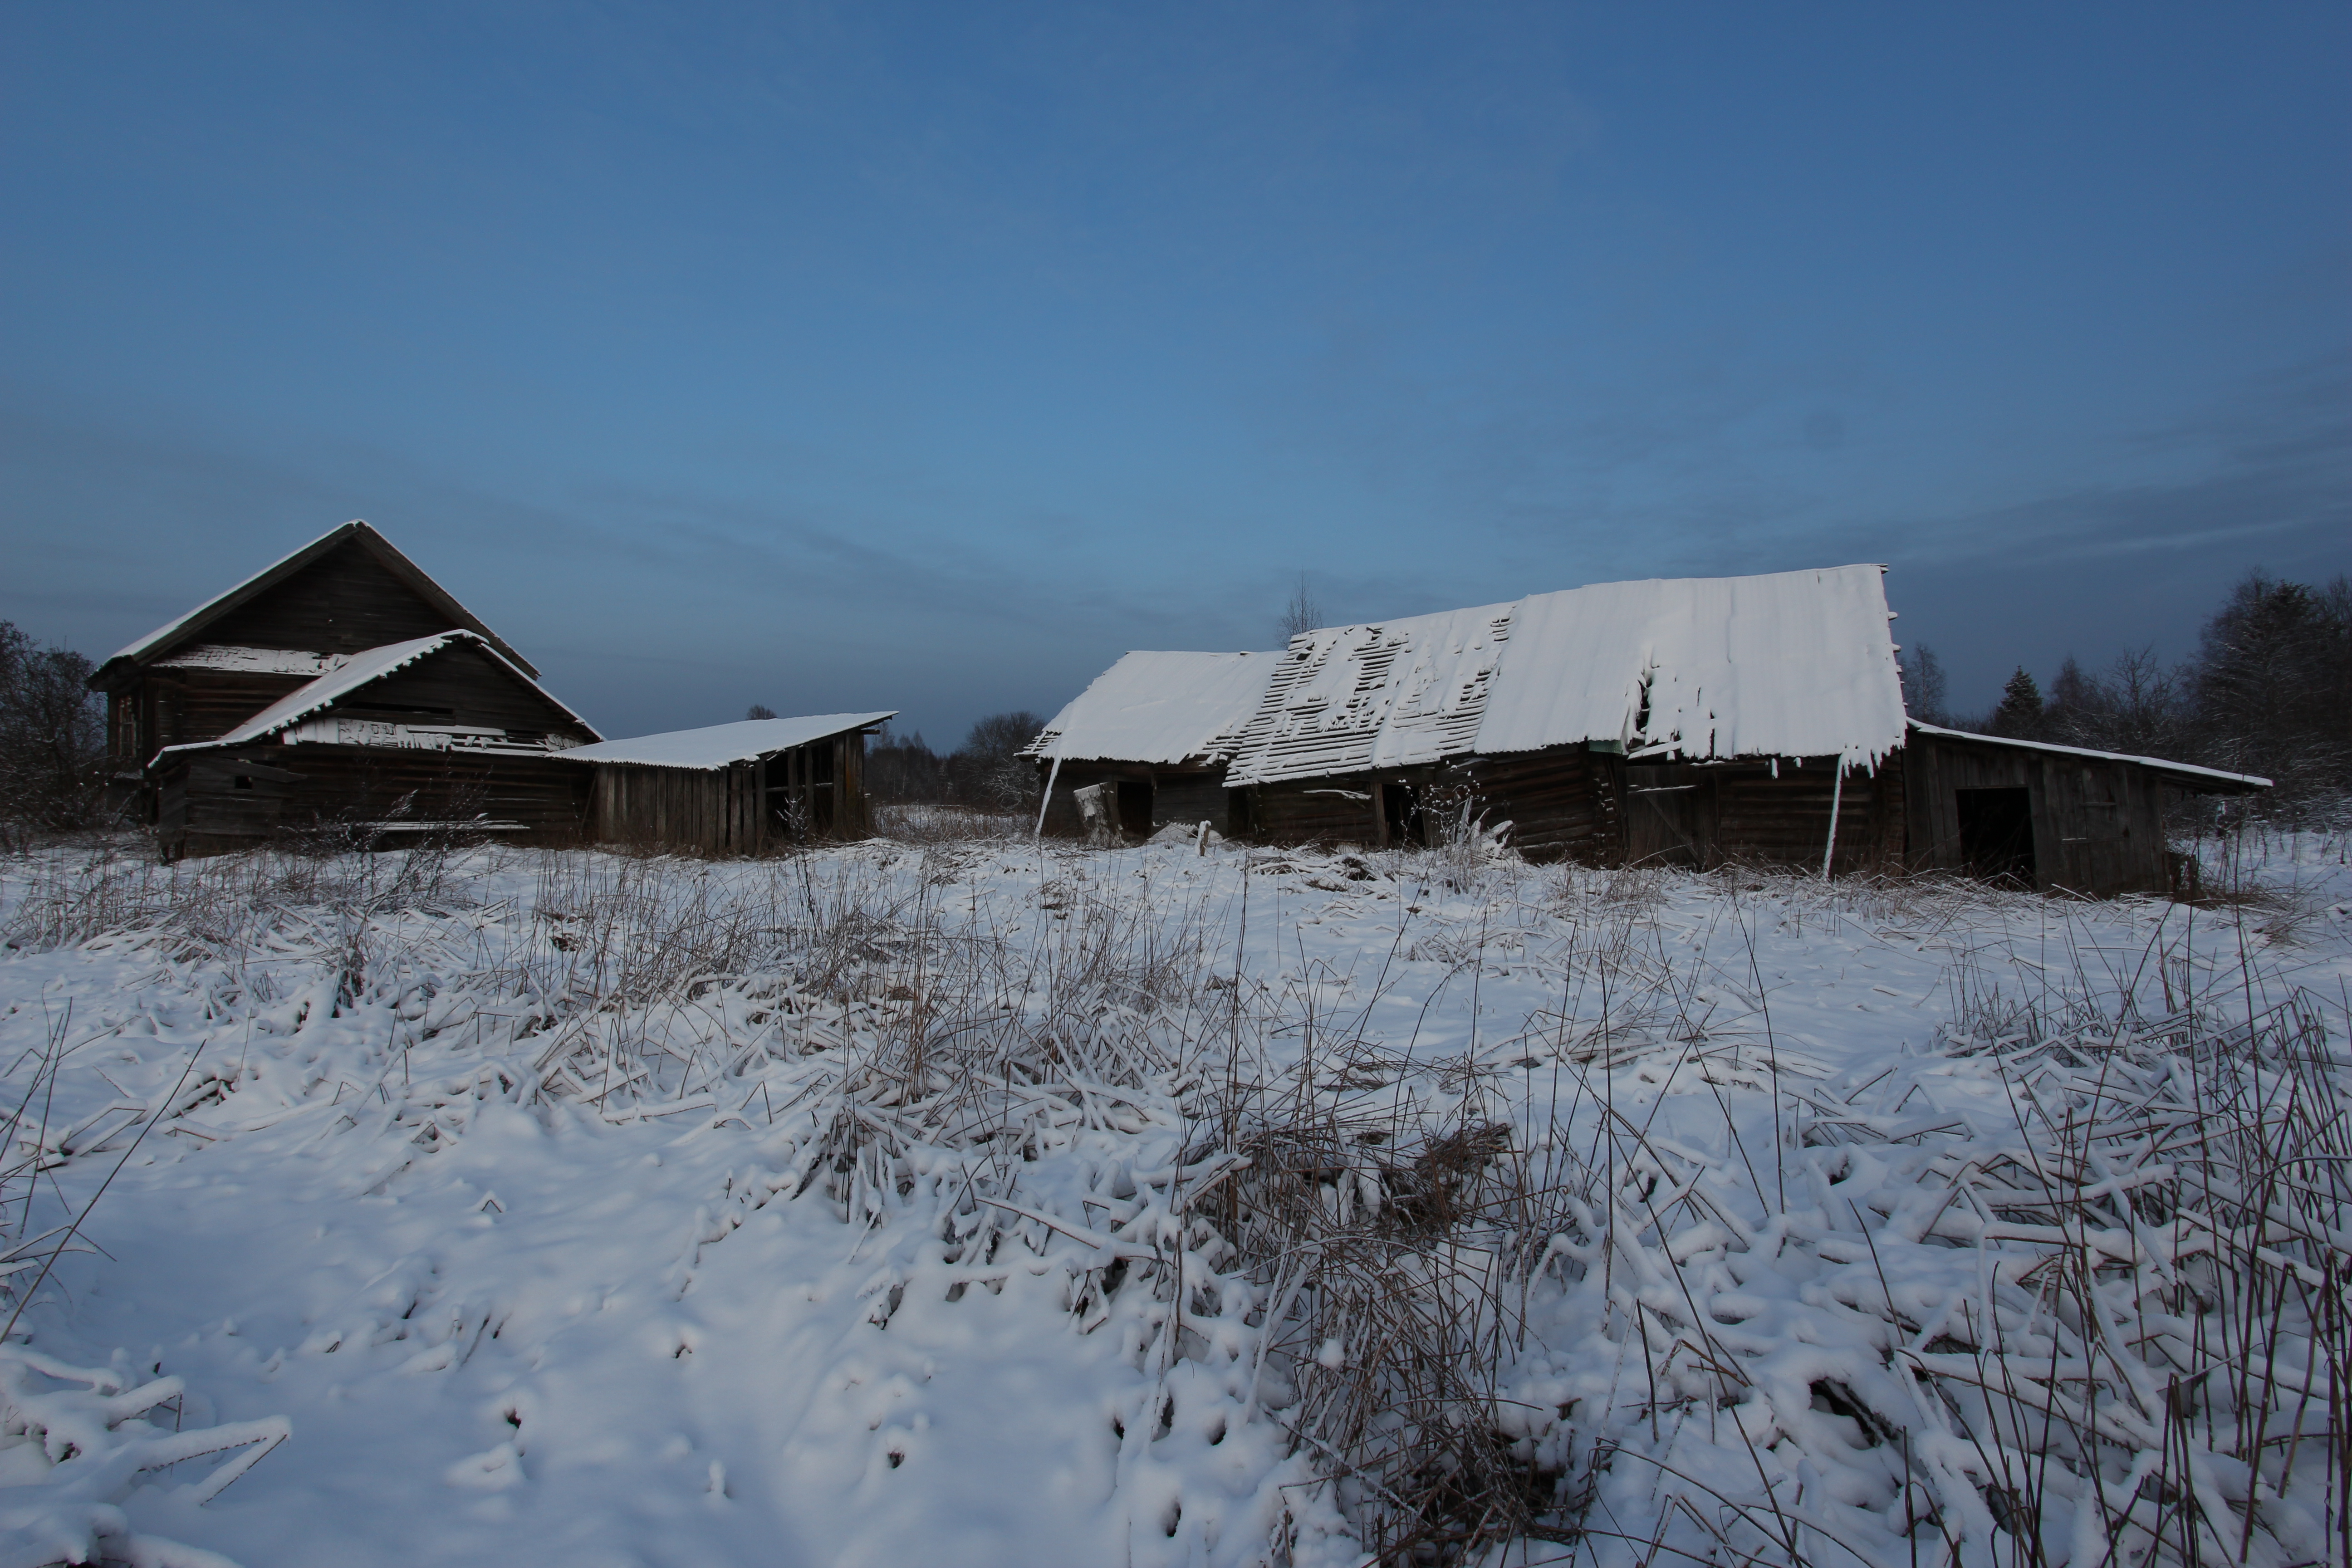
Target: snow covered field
<point>976,1202</point>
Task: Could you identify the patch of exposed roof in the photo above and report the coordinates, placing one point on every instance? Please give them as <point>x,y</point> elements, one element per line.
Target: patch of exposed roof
<point>166,638</point>
<point>1385,695</point>
<point>2188,775</point>
<point>1785,664</point>
<point>357,670</point>
<point>716,745</point>
<point>1159,708</point>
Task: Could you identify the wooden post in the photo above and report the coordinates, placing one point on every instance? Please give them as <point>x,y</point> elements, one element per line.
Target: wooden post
<point>1837,793</point>
<point>1051,775</point>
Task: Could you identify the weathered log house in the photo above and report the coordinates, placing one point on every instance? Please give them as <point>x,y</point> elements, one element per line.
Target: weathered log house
<point>745,788</point>
<point>1673,722</point>
<point>342,687</point>
<point>1158,729</point>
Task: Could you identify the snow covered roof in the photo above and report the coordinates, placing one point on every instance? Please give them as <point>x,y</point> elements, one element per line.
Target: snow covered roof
<point>1789,663</point>
<point>2187,775</point>
<point>163,639</point>
<point>351,673</point>
<point>1785,664</point>
<point>1159,708</point>
<point>716,745</point>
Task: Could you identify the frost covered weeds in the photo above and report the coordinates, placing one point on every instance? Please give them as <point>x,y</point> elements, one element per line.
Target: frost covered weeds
<point>973,1200</point>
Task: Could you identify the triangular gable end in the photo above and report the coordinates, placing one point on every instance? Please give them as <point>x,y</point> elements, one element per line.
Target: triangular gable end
<point>345,591</point>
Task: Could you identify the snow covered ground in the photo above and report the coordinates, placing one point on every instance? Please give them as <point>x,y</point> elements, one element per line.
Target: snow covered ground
<point>972,1202</point>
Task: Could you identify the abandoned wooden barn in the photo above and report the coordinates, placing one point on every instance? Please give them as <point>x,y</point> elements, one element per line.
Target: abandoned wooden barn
<point>339,687</point>
<point>1685,721</point>
<point>1156,730</point>
<point>747,788</point>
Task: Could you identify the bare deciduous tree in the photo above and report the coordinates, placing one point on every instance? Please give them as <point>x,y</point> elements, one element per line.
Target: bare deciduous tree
<point>1302,613</point>
<point>50,737</point>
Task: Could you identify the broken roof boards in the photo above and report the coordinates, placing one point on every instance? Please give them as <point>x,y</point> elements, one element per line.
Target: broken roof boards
<point>717,745</point>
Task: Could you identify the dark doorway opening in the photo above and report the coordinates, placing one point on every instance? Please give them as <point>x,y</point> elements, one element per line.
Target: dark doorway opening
<point>1996,832</point>
<point>1400,810</point>
<point>1135,808</point>
<point>800,792</point>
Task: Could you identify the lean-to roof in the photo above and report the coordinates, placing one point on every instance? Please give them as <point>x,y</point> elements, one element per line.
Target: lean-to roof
<point>1160,708</point>
<point>2187,775</point>
<point>716,745</point>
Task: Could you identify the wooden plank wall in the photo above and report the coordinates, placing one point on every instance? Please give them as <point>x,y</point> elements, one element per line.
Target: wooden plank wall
<point>345,601</point>
<point>1562,803</point>
<point>464,684</point>
<point>2098,825</point>
<point>1787,819</point>
<point>202,811</point>
<point>722,812</point>
<point>1343,809</point>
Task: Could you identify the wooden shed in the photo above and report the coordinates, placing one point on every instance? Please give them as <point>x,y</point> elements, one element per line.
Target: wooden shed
<point>439,733</point>
<point>2049,816</point>
<point>342,685</point>
<point>746,788</point>
<point>1682,721</point>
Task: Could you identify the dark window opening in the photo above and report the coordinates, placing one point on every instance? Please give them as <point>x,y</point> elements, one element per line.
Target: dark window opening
<point>1996,832</point>
<point>1400,810</point>
<point>1135,808</point>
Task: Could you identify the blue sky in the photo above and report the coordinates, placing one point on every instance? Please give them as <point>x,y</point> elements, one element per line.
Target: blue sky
<point>929,357</point>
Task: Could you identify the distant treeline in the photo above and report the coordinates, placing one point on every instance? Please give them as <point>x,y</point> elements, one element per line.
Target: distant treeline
<point>50,738</point>
<point>2268,692</point>
<point>986,772</point>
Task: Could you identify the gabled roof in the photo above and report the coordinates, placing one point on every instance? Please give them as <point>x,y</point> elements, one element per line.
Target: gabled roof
<point>175,633</point>
<point>352,673</point>
<point>717,745</point>
<point>2186,776</point>
<point>1159,708</point>
<point>1784,664</point>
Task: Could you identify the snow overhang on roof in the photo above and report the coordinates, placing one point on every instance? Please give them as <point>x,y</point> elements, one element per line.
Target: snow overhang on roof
<point>717,745</point>
<point>172,633</point>
<point>1154,706</point>
<point>350,675</point>
<point>1787,664</point>
<point>2187,775</point>
<point>1791,664</point>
